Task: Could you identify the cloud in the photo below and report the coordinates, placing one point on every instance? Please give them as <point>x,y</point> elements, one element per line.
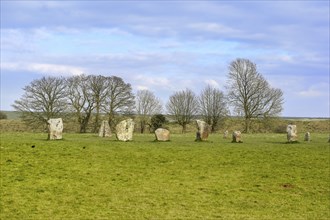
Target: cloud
<point>212,83</point>
<point>168,46</point>
<point>310,93</point>
<point>214,28</point>
<point>43,68</point>
<point>139,87</point>
<point>152,81</point>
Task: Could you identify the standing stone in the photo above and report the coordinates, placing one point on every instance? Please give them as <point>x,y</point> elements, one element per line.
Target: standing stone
<point>225,134</point>
<point>105,130</point>
<point>124,130</point>
<point>55,128</point>
<point>291,133</point>
<point>237,137</point>
<point>203,130</point>
<point>307,136</point>
<point>162,134</point>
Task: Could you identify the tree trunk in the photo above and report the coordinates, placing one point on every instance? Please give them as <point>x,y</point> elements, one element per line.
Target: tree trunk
<point>184,128</point>
<point>247,125</point>
<point>84,124</point>
<point>142,126</point>
<point>111,123</point>
<point>97,119</point>
<point>213,128</point>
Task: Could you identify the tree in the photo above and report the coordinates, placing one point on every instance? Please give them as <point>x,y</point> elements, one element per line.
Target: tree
<point>146,105</point>
<point>81,99</point>
<point>119,99</point>
<point>43,99</point>
<point>250,93</point>
<point>3,115</point>
<point>99,87</point>
<point>213,106</point>
<point>157,121</point>
<point>183,106</point>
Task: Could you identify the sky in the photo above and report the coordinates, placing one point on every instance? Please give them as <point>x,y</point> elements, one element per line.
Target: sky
<point>168,46</point>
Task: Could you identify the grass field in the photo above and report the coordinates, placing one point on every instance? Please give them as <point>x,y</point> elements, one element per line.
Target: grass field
<point>87,177</point>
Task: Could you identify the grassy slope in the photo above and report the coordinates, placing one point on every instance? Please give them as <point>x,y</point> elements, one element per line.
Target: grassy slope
<point>87,177</point>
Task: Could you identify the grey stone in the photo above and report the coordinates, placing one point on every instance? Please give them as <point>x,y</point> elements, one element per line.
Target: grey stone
<point>291,133</point>
<point>307,136</point>
<point>125,129</point>
<point>55,128</point>
<point>162,134</point>
<point>105,130</point>
<point>237,137</point>
<point>203,130</point>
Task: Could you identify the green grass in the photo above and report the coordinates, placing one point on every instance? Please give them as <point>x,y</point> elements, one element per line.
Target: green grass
<point>87,177</point>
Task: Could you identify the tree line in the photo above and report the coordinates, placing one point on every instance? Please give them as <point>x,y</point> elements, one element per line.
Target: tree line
<point>88,98</point>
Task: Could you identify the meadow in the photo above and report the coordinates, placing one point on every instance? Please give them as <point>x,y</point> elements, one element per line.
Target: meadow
<point>87,177</point>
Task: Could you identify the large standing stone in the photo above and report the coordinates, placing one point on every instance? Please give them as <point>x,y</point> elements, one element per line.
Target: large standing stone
<point>55,128</point>
<point>307,136</point>
<point>291,133</point>
<point>105,130</point>
<point>124,130</point>
<point>237,137</point>
<point>203,130</point>
<point>162,134</point>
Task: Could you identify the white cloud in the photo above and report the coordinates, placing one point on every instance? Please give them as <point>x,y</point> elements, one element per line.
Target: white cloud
<point>311,93</point>
<point>286,58</point>
<point>214,27</point>
<point>315,90</point>
<point>40,5</point>
<point>43,68</point>
<point>212,83</point>
<point>156,81</point>
<point>139,87</point>
<point>168,47</point>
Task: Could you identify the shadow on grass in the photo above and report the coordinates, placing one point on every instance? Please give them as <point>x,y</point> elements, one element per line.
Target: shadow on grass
<point>281,142</point>
<point>47,140</point>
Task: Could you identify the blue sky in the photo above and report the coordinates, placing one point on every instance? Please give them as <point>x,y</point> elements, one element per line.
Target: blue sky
<point>167,46</point>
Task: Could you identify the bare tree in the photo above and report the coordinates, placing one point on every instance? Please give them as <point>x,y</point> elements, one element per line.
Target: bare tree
<point>183,106</point>
<point>119,99</point>
<point>81,99</point>
<point>146,105</point>
<point>250,93</point>
<point>213,106</point>
<point>99,87</point>
<point>43,99</point>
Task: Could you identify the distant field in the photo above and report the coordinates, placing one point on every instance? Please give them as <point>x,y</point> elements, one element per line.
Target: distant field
<point>12,114</point>
<point>274,125</point>
<point>15,115</point>
<point>87,177</point>
<point>307,119</point>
